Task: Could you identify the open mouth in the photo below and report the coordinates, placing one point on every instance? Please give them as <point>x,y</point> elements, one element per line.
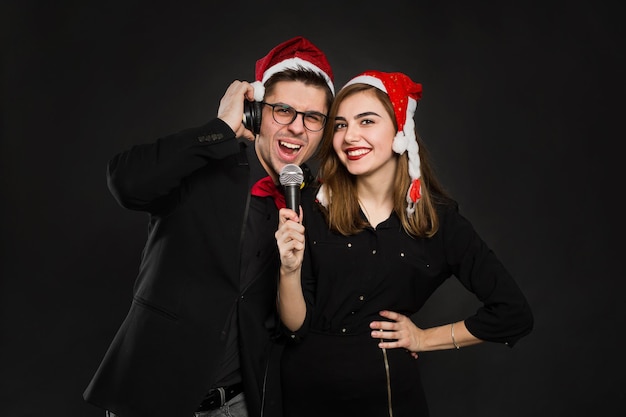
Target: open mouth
<point>289,148</point>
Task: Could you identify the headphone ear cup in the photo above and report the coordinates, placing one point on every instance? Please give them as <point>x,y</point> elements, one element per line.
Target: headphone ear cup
<point>252,116</point>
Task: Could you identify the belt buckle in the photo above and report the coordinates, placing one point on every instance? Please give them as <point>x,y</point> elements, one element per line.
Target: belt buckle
<point>222,392</point>
<point>219,396</point>
<point>211,401</point>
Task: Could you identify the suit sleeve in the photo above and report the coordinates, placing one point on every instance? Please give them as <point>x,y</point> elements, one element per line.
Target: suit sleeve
<point>144,176</point>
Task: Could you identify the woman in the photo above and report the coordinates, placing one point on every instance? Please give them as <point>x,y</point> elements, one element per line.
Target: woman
<point>381,236</point>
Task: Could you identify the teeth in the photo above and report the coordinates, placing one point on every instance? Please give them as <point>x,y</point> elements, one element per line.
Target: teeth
<point>290,145</point>
<point>358,152</point>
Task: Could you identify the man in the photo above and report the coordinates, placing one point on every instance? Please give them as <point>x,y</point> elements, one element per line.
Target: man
<point>200,332</point>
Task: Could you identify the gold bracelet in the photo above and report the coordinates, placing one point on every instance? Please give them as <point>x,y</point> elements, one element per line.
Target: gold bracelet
<point>453,339</point>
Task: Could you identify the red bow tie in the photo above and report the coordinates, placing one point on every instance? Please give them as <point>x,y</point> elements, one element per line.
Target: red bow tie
<point>265,187</point>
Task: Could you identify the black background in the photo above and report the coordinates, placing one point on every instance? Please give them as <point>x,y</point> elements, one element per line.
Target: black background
<point>522,112</point>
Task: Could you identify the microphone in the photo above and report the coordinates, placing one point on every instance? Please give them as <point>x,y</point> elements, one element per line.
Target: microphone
<point>291,178</point>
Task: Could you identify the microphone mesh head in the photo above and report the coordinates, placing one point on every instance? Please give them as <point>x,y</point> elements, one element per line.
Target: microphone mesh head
<point>291,174</point>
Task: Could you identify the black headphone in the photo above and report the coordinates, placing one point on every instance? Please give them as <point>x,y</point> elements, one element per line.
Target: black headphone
<point>252,116</point>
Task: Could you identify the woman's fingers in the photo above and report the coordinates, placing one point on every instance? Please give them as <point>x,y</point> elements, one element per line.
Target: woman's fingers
<point>398,332</point>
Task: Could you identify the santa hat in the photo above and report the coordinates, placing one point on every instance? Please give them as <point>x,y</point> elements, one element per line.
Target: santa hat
<point>404,95</point>
<point>295,53</point>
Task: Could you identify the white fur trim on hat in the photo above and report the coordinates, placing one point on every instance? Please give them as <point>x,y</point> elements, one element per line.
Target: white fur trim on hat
<point>367,79</point>
<point>291,63</point>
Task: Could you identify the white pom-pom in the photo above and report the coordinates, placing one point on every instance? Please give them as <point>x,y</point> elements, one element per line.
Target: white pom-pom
<point>321,196</point>
<point>259,90</point>
<point>410,204</point>
<point>400,143</point>
<point>410,207</point>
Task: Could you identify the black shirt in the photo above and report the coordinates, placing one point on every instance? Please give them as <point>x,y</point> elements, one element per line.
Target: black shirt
<point>347,280</point>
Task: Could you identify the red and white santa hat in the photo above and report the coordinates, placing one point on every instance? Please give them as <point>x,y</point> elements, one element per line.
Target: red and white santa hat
<point>295,53</point>
<point>404,95</point>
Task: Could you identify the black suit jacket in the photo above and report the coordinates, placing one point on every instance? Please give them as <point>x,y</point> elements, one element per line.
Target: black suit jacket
<point>167,352</point>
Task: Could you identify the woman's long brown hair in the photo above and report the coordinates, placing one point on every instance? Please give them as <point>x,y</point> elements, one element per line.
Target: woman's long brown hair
<point>342,213</point>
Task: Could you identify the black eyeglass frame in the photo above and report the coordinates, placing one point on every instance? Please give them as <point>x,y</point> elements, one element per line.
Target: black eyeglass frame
<point>295,115</point>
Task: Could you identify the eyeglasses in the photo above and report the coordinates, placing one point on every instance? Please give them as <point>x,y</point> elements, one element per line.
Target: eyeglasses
<point>285,115</point>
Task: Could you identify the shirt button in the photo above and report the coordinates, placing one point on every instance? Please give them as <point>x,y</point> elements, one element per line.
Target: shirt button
<point>343,330</point>
<point>374,252</point>
<point>361,297</point>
